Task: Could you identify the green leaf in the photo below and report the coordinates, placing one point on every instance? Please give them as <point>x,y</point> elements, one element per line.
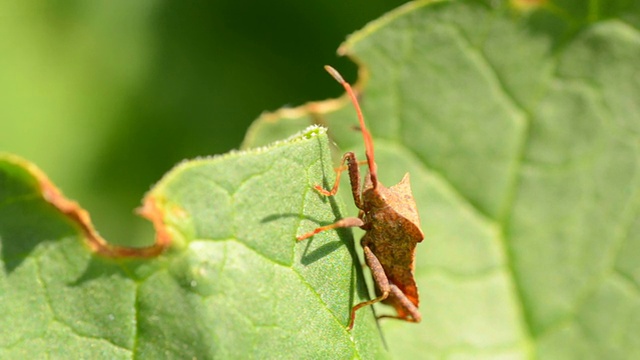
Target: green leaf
<point>519,123</point>
<point>233,282</point>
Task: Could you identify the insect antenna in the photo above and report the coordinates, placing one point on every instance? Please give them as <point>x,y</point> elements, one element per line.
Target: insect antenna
<point>368,141</point>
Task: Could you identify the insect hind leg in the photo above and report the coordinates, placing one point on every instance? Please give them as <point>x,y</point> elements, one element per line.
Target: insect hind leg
<point>397,296</point>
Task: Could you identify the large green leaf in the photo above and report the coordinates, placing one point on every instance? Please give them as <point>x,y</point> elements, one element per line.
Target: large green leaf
<point>519,123</point>
<point>233,282</point>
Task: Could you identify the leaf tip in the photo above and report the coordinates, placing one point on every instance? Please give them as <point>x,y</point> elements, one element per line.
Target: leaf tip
<point>310,132</point>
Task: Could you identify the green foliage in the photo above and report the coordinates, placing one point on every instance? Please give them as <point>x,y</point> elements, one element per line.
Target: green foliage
<point>520,131</point>
<point>235,283</point>
<point>519,126</point>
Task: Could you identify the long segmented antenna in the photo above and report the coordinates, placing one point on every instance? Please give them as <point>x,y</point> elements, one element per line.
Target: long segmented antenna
<point>368,141</point>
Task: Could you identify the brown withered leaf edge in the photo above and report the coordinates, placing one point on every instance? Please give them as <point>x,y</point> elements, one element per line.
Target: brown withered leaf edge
<point>96,243</point>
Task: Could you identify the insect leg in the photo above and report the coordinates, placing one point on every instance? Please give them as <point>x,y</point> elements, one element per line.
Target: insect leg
<point>379,277</point>
<point>342,223</point>
<point>400,298</point>
<point>354,177</point>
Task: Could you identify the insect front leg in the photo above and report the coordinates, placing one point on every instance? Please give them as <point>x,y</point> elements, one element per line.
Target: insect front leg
<point>354,177</point>
<point>379,277</point>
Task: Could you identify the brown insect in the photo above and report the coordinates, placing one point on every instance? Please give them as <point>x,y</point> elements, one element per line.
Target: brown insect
<point>390,218</point>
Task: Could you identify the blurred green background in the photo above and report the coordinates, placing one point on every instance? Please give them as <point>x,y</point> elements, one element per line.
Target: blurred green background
<point>106,96</point>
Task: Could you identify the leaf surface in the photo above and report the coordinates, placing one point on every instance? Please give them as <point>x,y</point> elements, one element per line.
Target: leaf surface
<point>233,282</point>
<point>518,122</point>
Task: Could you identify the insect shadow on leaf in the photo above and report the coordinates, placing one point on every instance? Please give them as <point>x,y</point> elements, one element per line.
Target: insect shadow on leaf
<point>319,252</point>
<point>389,217</point>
